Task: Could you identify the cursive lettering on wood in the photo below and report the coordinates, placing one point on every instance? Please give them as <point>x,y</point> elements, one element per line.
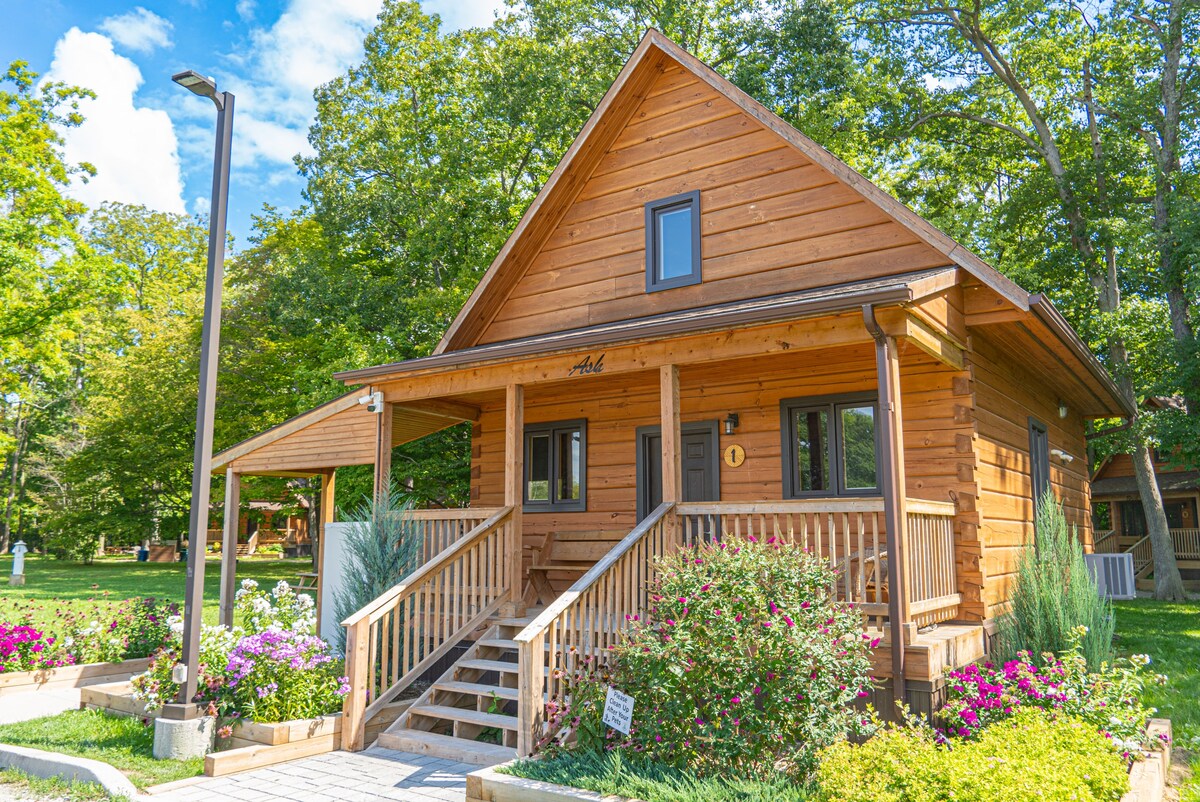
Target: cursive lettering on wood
<point>586,366</point>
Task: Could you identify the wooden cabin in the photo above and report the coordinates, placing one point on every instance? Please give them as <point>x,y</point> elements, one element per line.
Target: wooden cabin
<point>704,324</point>
<point>1121,523</point>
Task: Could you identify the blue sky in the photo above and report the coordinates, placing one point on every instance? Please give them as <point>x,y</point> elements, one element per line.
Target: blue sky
<point>150,140</point>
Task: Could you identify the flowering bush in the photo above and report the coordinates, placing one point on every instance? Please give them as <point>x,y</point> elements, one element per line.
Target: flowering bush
<point>23,648</point>
<point>1029,756</point>
<point>134,628</point>
<point>282,608</point>
<point>279,676</point>
<point>269,669</point>
<point>1109,699</point>
<point>747,664</point>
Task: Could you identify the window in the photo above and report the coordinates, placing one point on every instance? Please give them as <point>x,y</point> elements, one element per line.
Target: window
<point>830,446</point>
<point>673,242</point>
<point>1039,459</point>
<point>555,466</point>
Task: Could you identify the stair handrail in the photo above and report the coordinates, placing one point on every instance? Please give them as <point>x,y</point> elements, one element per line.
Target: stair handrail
<point>1104,538</point>
<point>446,599</point>
<point>531,641</point>
<point>372,608</point>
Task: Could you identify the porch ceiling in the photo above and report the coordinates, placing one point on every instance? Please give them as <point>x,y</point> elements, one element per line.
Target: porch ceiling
<point>339,433</point>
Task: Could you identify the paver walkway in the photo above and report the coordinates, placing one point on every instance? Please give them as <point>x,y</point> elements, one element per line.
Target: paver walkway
<point>367,776</point>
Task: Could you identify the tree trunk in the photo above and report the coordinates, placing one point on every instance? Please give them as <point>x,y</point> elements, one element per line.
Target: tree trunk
<point>1168,586</point>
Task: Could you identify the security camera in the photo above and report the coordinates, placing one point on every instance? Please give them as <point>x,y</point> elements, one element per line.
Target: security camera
<point>372,401</point>
<point>1062,456</point>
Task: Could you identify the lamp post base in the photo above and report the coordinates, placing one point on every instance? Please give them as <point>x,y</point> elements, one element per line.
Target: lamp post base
<point>183,739</point>
<point>16,580</point>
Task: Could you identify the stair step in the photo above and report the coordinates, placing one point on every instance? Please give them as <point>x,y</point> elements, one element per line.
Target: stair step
<point>446,746</point>
<point>477,688</point>
<point>515,622</point>
<point>498,643</point>
<point>497,720</point>
<point>488,665</point>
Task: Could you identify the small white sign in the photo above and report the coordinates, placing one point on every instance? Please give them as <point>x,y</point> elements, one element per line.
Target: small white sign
<point>618,711</point>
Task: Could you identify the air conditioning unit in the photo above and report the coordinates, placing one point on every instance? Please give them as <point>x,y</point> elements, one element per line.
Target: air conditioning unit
<point>1113,574</point>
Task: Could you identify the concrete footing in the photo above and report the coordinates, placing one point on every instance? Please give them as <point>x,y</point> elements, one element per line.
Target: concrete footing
<point>183,740</point>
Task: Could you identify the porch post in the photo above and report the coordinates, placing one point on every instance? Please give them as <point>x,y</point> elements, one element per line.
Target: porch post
<point>383,452</point>
<point>233,494</point>
<point>327,509</point>
<point>892,486</point>
<point>514,475</point>
<point>672,462</point>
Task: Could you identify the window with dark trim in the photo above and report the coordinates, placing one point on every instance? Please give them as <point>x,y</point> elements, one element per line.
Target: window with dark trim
<point>556,466</point>
<point>673,242</point>
<point>830,445</point>
<point>1039,458</point>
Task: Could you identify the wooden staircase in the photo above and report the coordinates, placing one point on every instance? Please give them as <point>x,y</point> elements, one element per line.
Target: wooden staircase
<point>470,713</point>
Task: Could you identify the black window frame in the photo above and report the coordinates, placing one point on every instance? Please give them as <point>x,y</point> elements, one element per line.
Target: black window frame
<point>1039,459</point>
<point>553,429</point>
<point>653,209</point>
<point>831,404</point>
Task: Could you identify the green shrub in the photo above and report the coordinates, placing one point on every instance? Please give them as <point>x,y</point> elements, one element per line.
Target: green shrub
<point>383,547</point>
<point>747,666</point>
<point>638,778</point>
<point>1030,756</point>
<point>1054,594</point>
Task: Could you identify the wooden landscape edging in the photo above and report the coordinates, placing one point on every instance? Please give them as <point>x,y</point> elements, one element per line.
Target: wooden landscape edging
<point>71,676</point>
<point>1148,778</point>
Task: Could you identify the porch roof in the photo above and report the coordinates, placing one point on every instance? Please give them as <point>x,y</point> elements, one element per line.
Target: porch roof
<point>899,289</point>
<point>1168,482</point>
<point>303,446</point>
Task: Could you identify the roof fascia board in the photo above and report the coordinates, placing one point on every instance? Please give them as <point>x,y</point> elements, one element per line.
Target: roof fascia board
<point>1044,310</point>
<point>293,424</point>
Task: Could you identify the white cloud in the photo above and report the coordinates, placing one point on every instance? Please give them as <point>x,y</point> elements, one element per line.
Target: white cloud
<point>139,30</point>
<point>245,9</point>
<point>201,204</point>
<point>132,147</point>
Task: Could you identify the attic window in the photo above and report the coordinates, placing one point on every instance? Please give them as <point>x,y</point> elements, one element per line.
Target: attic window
<point>673,242</point>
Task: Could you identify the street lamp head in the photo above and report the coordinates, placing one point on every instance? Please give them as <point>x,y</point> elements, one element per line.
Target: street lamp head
<point>197,83</point>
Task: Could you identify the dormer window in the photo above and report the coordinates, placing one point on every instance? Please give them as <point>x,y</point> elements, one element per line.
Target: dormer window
<point>673,242</point>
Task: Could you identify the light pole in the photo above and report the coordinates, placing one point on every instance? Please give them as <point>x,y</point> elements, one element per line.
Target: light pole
<point>193,605</point>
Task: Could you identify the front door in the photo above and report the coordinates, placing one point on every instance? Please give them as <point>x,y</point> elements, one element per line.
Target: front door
<point>701,472</point>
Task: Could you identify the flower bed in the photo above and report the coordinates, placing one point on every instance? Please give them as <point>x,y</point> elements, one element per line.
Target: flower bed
<point>134,629</point>
<point>272,668</point>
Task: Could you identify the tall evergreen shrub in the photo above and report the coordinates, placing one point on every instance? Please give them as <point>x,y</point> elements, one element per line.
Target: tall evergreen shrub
<point>1054,593</point>
<point>382,547</point>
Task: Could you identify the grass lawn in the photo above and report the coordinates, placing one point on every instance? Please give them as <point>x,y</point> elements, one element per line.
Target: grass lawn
<point>120,741</point>
<point>51,585</point>
<point>1170,634</point>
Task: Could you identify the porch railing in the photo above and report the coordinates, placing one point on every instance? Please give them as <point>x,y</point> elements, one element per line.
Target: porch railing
<point>438,529</point>
<point>1143,557</point>
<point>849,533</point>
<point>931,574</point>
<point>400,635</point>
<point>1106,543</point>
<point>585,620</point>
<point>1187,543</point>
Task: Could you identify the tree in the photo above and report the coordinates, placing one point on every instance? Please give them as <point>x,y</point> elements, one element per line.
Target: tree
<point>1016,79</point>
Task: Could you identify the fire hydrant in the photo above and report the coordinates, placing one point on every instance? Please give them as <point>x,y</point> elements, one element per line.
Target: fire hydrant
<point>18,574</point>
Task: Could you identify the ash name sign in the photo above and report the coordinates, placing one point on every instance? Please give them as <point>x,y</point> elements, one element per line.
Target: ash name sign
<point>618,711</point>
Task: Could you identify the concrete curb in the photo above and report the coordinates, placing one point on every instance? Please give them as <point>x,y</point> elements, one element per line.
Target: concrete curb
<point>80,769</point>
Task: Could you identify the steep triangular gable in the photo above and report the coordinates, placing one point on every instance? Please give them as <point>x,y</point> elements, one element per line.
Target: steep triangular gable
<point>779,212</point>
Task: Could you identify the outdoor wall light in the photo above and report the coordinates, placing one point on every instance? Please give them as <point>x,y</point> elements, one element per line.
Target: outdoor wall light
<point>731,422</point>
<point>1062,409</point>
<point>1062,456</point>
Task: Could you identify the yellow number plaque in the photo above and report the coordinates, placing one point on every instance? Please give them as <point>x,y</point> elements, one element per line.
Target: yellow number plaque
<point>735,455</point>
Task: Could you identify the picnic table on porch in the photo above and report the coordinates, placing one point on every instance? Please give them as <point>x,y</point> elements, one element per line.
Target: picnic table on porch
<point>307,580</point>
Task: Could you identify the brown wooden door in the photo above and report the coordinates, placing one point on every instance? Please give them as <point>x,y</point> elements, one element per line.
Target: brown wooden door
<point>699,445</point>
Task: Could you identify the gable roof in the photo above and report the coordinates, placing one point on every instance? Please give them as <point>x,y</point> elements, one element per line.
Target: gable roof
<point>654,54</point>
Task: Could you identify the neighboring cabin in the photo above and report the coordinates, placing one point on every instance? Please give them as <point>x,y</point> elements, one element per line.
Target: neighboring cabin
<point>706,324</point>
